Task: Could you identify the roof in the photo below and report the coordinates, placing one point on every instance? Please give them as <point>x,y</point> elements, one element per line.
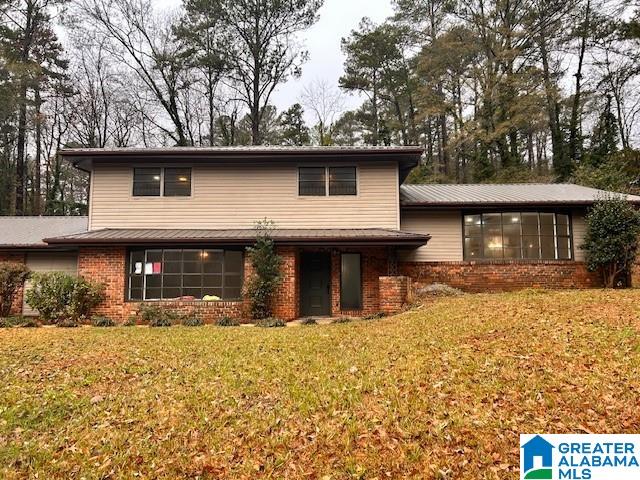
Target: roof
<point>28,232</point>
<point>407,157</point>
<point>480,195</point>
<point>352,236</point>
<point>242,150</point>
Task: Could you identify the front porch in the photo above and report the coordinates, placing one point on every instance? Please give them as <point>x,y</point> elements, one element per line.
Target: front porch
<point>339,281</point>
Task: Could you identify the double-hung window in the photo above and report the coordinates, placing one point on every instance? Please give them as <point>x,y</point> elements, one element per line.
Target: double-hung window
<point>317,181</point>
<point>166,182</point>
<point>517,235</point>
<point>200,274</point>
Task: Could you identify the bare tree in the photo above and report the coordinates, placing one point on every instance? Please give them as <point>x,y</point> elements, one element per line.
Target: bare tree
<point>136,37</point>
<point>327,104</point>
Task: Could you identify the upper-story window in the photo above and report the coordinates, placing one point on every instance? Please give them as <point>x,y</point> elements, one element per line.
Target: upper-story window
<point>517,235</point>
<point>156,182</point>
<point>317,181</point>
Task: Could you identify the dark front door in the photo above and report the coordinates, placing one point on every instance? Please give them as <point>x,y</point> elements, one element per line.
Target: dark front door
<point>315,284</point>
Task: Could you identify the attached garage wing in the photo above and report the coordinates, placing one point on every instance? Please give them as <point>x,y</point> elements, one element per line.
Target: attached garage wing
<point>41,262</point>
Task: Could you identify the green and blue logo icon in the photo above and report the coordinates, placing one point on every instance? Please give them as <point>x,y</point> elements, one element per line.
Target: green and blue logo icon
<point>537,459</point>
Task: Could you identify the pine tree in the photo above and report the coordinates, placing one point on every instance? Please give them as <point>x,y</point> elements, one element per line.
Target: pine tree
<point>604,138</point>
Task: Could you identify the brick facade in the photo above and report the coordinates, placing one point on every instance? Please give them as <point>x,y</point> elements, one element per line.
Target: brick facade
<point>16,307</point>
<point>502,275</point>
<point>286,301</point>
<point>107,265</point>
<point>381,289</point>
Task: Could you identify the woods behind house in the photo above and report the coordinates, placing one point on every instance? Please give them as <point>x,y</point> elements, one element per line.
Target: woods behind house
<point>495,90</point>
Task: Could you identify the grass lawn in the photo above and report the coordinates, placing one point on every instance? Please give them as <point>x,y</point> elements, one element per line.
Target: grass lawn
<point>440,392</point>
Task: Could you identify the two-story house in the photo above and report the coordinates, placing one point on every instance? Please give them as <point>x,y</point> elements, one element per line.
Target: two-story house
<point>171,225</point>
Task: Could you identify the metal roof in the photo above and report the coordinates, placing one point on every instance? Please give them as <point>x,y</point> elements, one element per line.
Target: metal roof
<point>29,231</point>
<point>479,195</point>
<point>243,150</point>
<point>406,156</point>
<point>378,236</point>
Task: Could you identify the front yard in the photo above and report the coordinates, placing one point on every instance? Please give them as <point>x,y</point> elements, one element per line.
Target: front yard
<point>442,392</point>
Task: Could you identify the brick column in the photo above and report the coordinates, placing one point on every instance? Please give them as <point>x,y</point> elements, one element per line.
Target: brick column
<point>286,299</point>
<point>394,292</point>
<point>16,307</point>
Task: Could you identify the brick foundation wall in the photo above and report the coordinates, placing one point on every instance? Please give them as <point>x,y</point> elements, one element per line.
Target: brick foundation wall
<point>502,276</point>
<point>394,293</point>
<point>16,307</point>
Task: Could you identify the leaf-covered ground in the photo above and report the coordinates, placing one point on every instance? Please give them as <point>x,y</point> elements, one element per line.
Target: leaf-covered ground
<point>441,392</point>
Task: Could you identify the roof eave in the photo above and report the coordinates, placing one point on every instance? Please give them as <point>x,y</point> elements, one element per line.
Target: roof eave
<point>417,240</point>
<point>478,205</point>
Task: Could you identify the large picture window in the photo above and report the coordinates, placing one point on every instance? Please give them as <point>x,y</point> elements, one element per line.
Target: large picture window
<point>190,274</point>
<point>517,235</point>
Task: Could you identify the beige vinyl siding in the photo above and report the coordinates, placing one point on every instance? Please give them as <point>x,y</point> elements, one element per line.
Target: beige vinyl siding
<point>445,228</point>
<point>41,262</point>
<point>579,228</point>
<point>237,196</point>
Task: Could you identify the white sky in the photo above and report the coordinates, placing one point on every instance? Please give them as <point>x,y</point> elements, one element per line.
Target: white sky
<point>322,41</point>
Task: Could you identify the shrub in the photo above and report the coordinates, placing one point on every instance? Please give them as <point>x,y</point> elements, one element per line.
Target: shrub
<point>156,316</point>
<point>29,322</point>
<point>308,321</point>
<point>12,277</point>
<point>227,322</point>
<point>611,240</point>
<point>342,320</point>
<point>374,316</point>
<point>67,323</point>
<point>191,321</point>
<point>63,299</point>
<point>131,321</point>
<point>271,323</point>
<point>99,321</point>
<point>15,321</point>
<point>266,277</point>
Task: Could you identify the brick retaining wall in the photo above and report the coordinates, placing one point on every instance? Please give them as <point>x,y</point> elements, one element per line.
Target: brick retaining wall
<point>502,275</point>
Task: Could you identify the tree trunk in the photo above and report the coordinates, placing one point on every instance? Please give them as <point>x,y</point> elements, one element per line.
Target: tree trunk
<point>37,189</point>
<point>374,110</point>
<point>574,124</point>
<point>21,140</point>
<point>557,140</point>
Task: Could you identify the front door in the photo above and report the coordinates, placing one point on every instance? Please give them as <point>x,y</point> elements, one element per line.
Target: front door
<point>315,284</point>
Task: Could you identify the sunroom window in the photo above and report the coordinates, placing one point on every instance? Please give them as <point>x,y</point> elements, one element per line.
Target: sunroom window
<point>517,235</point>
<point>197,274</point>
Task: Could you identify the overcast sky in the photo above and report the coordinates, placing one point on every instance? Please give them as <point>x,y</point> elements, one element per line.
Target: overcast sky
<point>337,19</point>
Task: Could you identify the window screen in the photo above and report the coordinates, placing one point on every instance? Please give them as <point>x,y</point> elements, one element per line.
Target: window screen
<point>350,282</point>
<point>146,182</point>
<point>312,181</point>
<point>517,235</point>
<point>342,181</point>
<point>177,182</point>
